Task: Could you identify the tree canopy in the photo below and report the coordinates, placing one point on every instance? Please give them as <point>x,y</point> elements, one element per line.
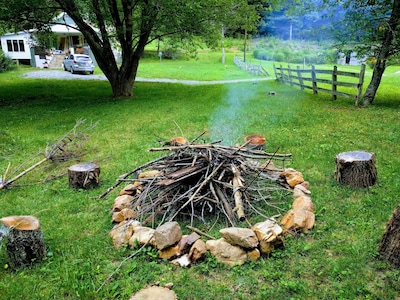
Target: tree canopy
<point>128,25</point>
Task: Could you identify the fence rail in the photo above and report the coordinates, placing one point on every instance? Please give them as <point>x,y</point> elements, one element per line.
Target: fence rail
<point>254,69</point>
<point>310,78</point>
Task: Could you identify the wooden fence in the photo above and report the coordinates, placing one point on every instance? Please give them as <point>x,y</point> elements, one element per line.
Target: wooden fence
<point>254,69</point>
<point>310,78</point>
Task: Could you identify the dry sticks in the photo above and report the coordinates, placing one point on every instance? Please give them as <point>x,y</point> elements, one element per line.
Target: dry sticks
<point>196,180</point>
<point>61,150</point>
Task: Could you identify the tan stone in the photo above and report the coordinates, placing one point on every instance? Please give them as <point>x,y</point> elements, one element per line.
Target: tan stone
<point>186,242</point>
<point>300,190</point>
<point>121,234</point>
<point>254,254</point>
<point>121,202</point>
<point>298,219</point>
<point>266,247</point>
<point>303,202</point>
<point>167,235</point>
<point>150,174</point>
<point>226,253</point>
<point>197,251</point>
<point>292,177</point>
<point>131,188</point>
<point>123,214</point>
<point>142,236</point>
<point>242,237</point>
<point>269,165</point>
<point>169,252</point>
<point>267,231</point>
<point>306,184</point>
<point>154,293</point>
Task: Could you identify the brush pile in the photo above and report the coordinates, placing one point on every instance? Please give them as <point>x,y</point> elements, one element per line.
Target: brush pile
<point>200,180</point>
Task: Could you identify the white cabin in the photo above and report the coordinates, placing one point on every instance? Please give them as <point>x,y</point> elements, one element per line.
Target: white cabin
<point>22,47</point>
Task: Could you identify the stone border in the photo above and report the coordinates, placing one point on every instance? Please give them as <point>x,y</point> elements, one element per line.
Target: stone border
<point>235,246</point>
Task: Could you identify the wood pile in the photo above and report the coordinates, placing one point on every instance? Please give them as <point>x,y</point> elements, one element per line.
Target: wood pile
<point>203,182</point>
<point>196,180</point>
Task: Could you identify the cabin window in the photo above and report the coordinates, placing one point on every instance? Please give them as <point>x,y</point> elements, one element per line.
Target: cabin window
<point>15,46</point>
<point>21,46</point>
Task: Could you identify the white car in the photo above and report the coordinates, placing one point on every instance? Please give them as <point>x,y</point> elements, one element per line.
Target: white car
<point>78,63</point>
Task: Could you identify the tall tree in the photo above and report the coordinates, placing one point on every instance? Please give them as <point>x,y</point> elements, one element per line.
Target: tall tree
<point>128,25</point>
<point>389,47</point>
<point>372,27</point>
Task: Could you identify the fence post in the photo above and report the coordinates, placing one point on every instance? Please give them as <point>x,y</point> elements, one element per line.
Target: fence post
<point>314,80</point>
<point>360,83</point>
<point>282,75</point>
<point>334,82</point>
<point>290,75</point>
<point>300,78</point>
<point>276,74</point>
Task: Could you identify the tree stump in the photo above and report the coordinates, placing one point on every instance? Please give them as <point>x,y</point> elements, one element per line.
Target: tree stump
<point>25,243</point>
<point>356,168</point>
<point>389,247</point>
<point>255,142</point>
<point>84,176</point>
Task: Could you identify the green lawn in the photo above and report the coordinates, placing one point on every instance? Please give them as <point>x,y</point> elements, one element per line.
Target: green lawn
<point>336,260</point>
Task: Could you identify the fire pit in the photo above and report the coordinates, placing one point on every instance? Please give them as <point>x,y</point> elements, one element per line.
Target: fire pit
<point>237,186</point>
<point>199,179</point>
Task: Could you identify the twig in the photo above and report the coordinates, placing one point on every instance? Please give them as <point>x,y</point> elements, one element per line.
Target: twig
<point>198,189</point>
<point>200,232</point>
<point>121,263</point>
<point>120,180</point>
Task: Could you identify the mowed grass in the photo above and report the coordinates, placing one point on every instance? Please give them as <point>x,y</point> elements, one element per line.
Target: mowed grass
<point>338,259</point>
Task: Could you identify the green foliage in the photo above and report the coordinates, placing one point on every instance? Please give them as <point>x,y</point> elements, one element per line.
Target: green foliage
<point>336,260</point>
<point>6,63</point>
<point>294,51</point>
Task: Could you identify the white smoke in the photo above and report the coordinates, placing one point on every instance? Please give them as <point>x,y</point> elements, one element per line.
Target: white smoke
<point>229,119</point>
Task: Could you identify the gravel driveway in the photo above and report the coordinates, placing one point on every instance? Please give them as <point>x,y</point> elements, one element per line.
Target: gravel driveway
<point>59,74</point>
<point>64,75</point>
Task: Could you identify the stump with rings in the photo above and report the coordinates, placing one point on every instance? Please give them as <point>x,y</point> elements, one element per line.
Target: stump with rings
<point>356,168</point>
<point>24,241</point>
<point>84,176</point>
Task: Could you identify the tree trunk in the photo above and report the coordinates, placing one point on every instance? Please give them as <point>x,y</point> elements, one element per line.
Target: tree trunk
<point>373,86</point>
<point>385,51</point>
<point>356,168</point>
<point>245,45</point>
<point>25,242</point>
<point>389,247</point>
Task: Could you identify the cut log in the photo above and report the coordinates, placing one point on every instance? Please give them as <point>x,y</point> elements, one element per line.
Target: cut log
<point>356,168</point>
<point>237,194</point>
<point>25,243</point>
<point>84,176</point>
<point>255,142</point>
<point>389,247</point>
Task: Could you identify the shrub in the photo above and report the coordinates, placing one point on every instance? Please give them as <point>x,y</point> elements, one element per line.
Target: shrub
<point>6,63</point>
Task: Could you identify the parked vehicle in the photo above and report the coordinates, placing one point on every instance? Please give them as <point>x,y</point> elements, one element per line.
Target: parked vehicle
<point>78,63</point>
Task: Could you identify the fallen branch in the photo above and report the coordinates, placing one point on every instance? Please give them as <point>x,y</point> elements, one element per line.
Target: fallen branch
<point>237,194</point>
<point>200,232</point>
<point>56,152</point>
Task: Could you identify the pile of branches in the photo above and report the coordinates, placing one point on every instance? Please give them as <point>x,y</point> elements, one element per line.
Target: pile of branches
<point>199,180</point>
